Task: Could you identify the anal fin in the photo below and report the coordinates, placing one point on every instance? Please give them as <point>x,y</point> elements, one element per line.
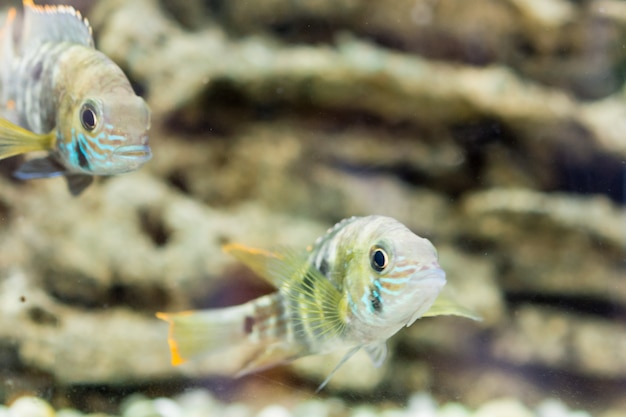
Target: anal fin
<point>268,356</point>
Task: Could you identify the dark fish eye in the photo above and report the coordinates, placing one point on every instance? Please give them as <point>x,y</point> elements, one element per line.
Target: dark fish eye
<point>378,258</point>
<point>88,116</point>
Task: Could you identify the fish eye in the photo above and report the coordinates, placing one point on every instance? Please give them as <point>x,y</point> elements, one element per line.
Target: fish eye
<point>88,116</point>
<point>378,258</point>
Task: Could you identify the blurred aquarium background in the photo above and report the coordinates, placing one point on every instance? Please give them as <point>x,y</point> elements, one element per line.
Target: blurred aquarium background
<point>495,128</point>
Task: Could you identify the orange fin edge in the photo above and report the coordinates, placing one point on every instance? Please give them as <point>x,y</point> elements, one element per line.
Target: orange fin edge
<point>231,247</point>
<point>177,359</point>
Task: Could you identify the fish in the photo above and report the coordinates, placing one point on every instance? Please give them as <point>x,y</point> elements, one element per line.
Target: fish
<point>357,286</point>
<point>61,95</point>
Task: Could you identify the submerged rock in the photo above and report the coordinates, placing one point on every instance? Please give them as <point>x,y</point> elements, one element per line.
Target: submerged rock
<point>464,122</point>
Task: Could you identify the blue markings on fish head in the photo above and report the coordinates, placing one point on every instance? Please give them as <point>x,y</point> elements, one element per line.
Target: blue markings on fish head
<point>396,278</point>
<point>107,135</point>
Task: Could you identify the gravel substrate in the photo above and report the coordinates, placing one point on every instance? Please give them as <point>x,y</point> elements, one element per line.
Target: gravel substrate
<point>202,404</point>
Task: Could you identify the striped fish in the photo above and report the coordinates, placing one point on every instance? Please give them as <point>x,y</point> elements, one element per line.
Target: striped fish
<point>360,283</point>
<point>59,94</point>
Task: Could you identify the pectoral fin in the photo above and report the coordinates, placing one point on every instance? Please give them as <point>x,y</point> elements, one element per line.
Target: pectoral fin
<point>322,308</point>
<point>446,306</point>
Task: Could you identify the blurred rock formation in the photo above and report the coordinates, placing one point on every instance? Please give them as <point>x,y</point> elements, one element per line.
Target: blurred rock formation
<point>497,129</point>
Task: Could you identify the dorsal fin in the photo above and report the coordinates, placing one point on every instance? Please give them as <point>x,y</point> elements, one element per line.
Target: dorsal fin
<point>277,266</point>
<point>7,52</point>
<point>332,230</point>
<point>54,24</point>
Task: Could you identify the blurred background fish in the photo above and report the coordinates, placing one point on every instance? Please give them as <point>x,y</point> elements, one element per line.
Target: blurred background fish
<point>59,94</point>
<point>361,282</point>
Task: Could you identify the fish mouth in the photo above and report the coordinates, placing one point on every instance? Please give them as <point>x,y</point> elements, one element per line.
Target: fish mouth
<point>135,153</point>
<point>432,276</point>
<point>430,284</point>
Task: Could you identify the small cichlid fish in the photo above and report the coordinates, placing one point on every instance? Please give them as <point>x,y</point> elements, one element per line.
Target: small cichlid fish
<point>59,94</point>
<point>361,282</point>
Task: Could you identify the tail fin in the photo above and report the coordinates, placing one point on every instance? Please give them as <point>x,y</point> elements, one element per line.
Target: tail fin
<point>15,140</point>
<point>192,333</point>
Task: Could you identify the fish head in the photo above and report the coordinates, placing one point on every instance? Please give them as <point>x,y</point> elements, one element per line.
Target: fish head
<point>394,276</point>
<point>107,134</point>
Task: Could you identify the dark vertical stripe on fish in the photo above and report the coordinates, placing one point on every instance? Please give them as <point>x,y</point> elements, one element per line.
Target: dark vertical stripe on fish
<point>83,162</point>
<point>33,90</point>
<point>248,324</point>
<point>268,320</point>
<point>36,72</point>
<point>323,267</point>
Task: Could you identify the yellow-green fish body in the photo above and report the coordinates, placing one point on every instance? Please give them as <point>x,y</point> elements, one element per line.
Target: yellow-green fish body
<point>360,283</point>
<point>68,98</point>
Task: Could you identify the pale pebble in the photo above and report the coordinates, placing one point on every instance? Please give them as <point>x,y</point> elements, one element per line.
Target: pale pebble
<point>274,411</point>
<point>503,407</point>
<point>130,400</point>
<point>315,408</point>
<point>364,411</point>
<point>236,410</point>
<point>30,407</point>
<point>422,405</point>
<point>453,410</point>
<point>198,399</point>
<point>167,407</point>
<point>552,407</point>
<point>140,408</point>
